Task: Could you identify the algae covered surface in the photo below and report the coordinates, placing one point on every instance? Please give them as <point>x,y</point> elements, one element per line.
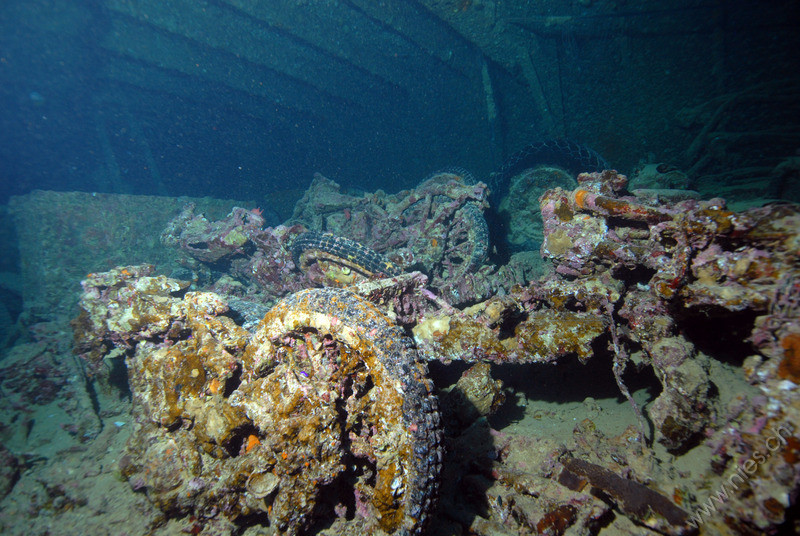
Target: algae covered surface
<point>173,397</point>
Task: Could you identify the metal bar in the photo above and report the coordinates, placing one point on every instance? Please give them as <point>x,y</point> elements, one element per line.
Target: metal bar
<point>130,38</point>
<point>221,28</point>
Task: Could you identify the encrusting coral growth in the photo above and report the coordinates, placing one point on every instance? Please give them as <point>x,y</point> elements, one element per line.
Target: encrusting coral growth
<point>325,411</point>
<point>326,402</point>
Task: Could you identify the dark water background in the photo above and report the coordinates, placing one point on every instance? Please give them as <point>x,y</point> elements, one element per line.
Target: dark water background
<point>101,96</point>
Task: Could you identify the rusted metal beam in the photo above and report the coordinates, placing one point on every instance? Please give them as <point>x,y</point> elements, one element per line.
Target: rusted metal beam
<point>426,31</point>
<point>510,46</point>
<point>130,38</point>
<point>345,31</point>
<point>222,31</point>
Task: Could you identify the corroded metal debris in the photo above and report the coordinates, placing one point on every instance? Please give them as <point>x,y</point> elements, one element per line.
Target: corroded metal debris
<point>325,414</point>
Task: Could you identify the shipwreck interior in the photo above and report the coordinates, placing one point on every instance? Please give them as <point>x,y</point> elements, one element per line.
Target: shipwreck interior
<point>399,267</point>
<point>234,98</point>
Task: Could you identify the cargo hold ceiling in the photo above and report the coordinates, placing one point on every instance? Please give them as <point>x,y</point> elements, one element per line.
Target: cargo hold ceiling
<point>320,59</point>
<point>383,78</point>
